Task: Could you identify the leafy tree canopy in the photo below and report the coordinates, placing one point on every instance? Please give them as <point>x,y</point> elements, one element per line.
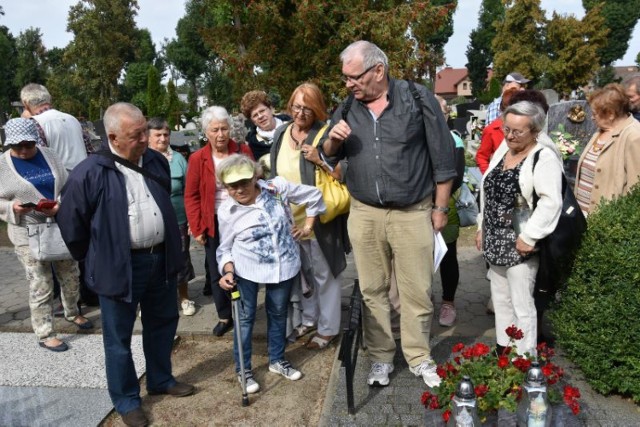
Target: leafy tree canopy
<point>480,51</point>
<point>620,17</point>
<point>31,58</point>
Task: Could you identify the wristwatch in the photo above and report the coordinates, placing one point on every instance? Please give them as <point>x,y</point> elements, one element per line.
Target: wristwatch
<point>441,209</point>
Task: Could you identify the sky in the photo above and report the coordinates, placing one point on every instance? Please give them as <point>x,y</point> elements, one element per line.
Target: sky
<point>161,16</point>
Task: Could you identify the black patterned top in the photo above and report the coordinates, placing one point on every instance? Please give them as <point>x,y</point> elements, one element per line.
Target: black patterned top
<point>501,188</point>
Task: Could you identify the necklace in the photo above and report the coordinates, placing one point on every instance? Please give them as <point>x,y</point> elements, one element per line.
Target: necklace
<point>297,144</point>
<point>598,146</point>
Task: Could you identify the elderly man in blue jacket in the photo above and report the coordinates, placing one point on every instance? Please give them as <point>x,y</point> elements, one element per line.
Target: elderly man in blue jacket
<point>117,216</point>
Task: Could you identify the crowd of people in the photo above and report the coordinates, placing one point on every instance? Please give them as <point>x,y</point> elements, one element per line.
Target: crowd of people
<point>127,213</point>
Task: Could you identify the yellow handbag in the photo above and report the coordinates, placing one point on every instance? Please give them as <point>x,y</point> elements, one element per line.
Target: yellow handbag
<point>335,194</point>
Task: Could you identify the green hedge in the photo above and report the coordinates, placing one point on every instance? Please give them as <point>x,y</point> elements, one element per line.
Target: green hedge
<point>597,320</point>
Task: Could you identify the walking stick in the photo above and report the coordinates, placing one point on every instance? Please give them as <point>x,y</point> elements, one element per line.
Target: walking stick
<point>235,304</point>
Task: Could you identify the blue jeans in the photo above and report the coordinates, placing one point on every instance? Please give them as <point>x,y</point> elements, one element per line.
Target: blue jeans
<point>276,304</point>
<point>157,297</point>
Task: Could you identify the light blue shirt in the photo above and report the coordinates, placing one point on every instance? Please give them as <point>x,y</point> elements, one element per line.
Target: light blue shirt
<point>493,111</point>
<point>257,238</point>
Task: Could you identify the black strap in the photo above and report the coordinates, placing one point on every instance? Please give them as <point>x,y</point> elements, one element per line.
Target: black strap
<point>166,184</point>
<point>347,106</point>
<point>536,157</point>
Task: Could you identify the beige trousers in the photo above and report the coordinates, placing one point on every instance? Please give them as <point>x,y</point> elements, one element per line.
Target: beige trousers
<point>402,238</point>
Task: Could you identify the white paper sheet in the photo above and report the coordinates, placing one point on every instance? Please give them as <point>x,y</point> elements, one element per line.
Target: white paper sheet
<point>439,250</point>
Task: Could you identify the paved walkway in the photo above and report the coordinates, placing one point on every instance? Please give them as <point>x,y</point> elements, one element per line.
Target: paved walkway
<point>398,404</point>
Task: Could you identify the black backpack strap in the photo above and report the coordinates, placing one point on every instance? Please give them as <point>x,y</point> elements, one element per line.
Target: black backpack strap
<point>414,91</point>
<point>164,183</point>
<point>347,106</point>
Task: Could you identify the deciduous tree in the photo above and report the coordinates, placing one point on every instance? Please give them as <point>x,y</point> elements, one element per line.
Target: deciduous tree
<point>620,17</point>
<point>519,41</point>
<point>573,46</point>
<point>31,58</point>
<point>104,41</point>
<point>8,91</point>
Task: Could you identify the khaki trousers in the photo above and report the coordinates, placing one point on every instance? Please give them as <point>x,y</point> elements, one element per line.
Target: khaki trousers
<point>404,235</point>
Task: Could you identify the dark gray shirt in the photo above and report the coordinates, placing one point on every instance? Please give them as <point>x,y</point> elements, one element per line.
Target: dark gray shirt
<point>393,162</point>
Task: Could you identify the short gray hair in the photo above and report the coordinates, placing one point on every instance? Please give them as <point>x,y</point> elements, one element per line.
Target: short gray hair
<point>215,113</point>
<point>632,80</point>
<point>370,53</point>
<point>536,114</point>
<point>234,161</point>
<point>113,116</point>
<point>35,95</point>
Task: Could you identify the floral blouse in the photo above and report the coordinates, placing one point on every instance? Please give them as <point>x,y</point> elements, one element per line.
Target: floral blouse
<point>501,188</point>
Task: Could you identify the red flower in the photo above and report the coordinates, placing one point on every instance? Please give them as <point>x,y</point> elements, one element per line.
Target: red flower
<point>458,347</point>
<point>480,349</point>
<point>575,407</point>
<point>547,370</point>
<point>442,372</point>
<point>503,362</point>
<point>522,364</point>
<point>446,415</point>
<point>515,333</point>
<point>572,392</point>
<point>481,390</point>
<point>457,359</point>
<point>434,403</point>
<point>467,353</point>
<point>425,398</point>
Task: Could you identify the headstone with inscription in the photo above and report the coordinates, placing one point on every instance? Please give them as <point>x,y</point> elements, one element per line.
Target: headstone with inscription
<point>574,118</point>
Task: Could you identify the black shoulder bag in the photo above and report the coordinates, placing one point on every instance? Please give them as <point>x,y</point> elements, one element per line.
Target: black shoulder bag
<point>164,183</point>
<point>557,250</point>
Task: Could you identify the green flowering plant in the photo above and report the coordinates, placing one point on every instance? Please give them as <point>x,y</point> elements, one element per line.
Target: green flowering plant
<point>566,143</point>
<point>497,378</point>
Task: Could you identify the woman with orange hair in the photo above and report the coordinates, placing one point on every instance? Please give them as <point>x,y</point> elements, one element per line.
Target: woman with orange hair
<point>295,158</point>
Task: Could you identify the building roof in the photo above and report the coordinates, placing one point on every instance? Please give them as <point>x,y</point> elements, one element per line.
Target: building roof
<point>447,80</point>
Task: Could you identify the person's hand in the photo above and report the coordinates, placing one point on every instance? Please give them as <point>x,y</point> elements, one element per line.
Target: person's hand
<point>524,249</point>
<point>479,240</point>
<point>19,209</point>
<point>300,232</point>
<point>439,220</point>
<point>227,281</point>
<point>202,239</point>
<point>52,211</point>
<point>340,131</point>
<point>311,154</point>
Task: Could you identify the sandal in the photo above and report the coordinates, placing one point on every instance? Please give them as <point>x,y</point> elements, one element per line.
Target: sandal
<point>302,330</point>
<point>318,342</point>
<point>78,321</point>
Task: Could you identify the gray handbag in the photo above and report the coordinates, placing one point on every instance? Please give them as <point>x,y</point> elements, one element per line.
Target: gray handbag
<point>467,206</point>
<point>45,242</point>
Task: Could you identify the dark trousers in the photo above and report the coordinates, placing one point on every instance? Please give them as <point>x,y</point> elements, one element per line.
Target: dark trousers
<point>220,297</point>
<point>157,297</point>
<point>449,272</point>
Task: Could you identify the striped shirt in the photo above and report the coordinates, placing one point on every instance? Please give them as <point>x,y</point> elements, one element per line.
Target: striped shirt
<point>587,174</point>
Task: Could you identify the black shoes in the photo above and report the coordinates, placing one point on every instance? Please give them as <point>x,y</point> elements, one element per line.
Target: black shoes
<point>135,418</point>
<point>222,328</point>
<point>178,390</point>
<point>60,347</point>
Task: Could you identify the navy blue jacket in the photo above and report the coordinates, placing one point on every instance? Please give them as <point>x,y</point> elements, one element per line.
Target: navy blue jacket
<point>93,220</point>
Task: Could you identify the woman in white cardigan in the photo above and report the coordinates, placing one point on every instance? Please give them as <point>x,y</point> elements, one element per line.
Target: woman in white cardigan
<point>29,174</point>
<point>512,257</point>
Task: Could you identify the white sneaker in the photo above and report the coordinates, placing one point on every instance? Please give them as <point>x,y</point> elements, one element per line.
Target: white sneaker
<point>379,374</point>
<point>427,370</point>
<point>188,307</point>
<point>448,315</point>
<point>250,382</point>
<point>285,369</point>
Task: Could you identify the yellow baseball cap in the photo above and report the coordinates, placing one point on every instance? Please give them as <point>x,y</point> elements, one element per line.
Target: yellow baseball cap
<point>237,173</point>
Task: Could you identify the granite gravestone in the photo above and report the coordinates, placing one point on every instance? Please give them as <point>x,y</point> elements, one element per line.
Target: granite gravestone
<point>576,118</point>
<point>551,96</point>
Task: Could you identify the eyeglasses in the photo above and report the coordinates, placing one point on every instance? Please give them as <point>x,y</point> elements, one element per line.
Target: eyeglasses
<point>259,112</point>
<point>355,79</point>
<point>297,109</point>
<point>234,186</point>
<point>25,145</point>
<point>514,132</point>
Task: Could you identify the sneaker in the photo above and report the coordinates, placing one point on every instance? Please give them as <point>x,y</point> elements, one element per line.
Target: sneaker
<point>250,382</point>
<point>379,374</point>
<point>285,369</point>
<point>427,370</point>
<point>447,315</point>
<point>188,307</point>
